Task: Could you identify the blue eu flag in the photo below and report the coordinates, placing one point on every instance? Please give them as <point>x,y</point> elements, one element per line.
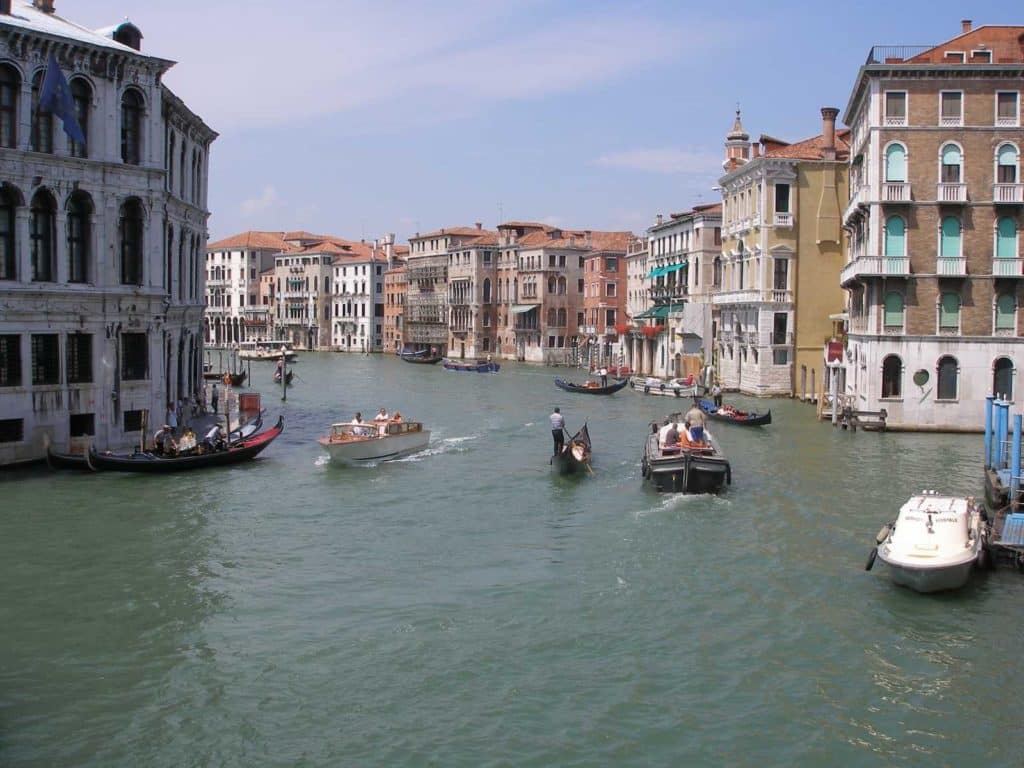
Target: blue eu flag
<point>55,97</point>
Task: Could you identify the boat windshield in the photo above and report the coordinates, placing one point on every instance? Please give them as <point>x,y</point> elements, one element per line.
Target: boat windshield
<point>349,431</point>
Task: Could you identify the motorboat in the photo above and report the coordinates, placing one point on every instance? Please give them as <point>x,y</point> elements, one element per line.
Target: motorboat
<point>675,387</point>
<point>270,350</point>
<point>691,463</point>
<point>479,366</point>
<point>357,443</point>
<point>934,542</point>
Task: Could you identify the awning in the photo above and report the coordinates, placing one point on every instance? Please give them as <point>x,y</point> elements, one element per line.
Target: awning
<point>518,309</point>
<point>659,312</point>
<point>672,268</point>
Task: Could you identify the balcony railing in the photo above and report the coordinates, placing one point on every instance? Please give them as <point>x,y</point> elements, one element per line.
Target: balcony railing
<point>670,291</point>
<point>753,296</point>
<point>952,193</point>
<point>783,219</point>
<point>895,192</point>
<point>858,198</point>
<point>951,266</point>
<point>1008,267</point>
<point>875,266</point>
<point>1008,193</point>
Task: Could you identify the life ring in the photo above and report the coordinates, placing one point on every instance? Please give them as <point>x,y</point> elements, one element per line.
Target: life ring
<point>647,389</point>
<point>227,379</point>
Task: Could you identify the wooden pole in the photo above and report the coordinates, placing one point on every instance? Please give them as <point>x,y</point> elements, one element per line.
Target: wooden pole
<point>284,376</point>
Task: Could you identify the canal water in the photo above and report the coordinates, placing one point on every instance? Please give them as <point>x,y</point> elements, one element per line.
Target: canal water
<point>463,607</point>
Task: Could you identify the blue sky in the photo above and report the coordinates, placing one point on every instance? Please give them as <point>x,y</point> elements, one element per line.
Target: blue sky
<point>359,118</point>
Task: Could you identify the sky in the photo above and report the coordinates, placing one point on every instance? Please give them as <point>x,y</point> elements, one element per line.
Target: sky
<point>360,118</point>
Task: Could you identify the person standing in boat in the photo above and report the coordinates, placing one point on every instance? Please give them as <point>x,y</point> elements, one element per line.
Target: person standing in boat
<point>716,394</point>
<point>694,421</point>
<point>603,373</point>
<point>214,397</point>
<point>558,429</point>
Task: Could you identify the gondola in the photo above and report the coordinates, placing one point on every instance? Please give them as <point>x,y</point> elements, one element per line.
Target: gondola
<point>731,415</point>
<point>422,359</point>
<point>412,352</point>
<point>595,389</point>
<point>235,379</point>
<point>287,377</point>
<point>575,454</point>
<point>480,366</point>
<point>142,461</point>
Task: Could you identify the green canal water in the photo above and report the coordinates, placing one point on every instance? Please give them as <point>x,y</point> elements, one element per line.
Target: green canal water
<point>463,607</point>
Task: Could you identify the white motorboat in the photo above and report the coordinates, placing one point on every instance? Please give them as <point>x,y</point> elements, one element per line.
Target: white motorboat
<point>934,542</point>
<point>374,441</point>
<point>651,385</point>
<point>265,351</point>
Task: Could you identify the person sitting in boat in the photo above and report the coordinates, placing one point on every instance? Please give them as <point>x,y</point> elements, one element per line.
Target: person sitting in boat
<point>396,418</point>
<point>358,418</point>
<point>214,440</point>
<point>672,436</point>
<point>382,415</point>
<point>695,422</point>
<point>163,440</point>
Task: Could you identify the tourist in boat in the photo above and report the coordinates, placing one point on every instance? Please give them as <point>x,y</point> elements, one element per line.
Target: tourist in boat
<point>671,436</point>
<point>716,394</point>
<point>163,440</point>
<point>695,423</point>
<point>558,430</point>
<point>358,418</point>
<point>382,415</point>
<point>396,418</point>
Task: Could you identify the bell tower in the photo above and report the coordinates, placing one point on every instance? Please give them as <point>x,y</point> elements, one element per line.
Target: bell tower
<point>737,145</point>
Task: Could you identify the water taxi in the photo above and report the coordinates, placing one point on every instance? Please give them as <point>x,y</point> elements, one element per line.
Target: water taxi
<point>356,443</point>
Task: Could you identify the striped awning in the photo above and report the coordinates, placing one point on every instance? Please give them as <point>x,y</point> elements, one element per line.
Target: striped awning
<point>518,309</point>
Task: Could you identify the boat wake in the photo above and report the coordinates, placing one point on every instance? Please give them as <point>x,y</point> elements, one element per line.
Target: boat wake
<point>670,502</point>
<point>440,447</point>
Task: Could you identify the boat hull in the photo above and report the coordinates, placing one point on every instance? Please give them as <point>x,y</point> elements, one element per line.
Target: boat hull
<point>376,449</point>
<point>928,579</point>
<point>450,365</point>
<point>741,418</point>
<point>569,386</point>
<point>574,458</point>
<point>673,388</point>
<point>686,471</point>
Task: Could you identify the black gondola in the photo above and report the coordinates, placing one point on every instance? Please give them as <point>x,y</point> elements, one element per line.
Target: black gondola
<point>422,359</point>
<point>575,454</point>
<point>141,461</point>
<point>596,389</point>
<point>412,352</point>
<point>731,415</point>
<point>235,379</point>
<point>287,377</point>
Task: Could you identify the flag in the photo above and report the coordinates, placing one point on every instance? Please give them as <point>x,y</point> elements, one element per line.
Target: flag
<point>55,97</point>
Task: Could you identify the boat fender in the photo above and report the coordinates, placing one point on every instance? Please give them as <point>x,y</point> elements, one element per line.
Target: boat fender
<point>632,384</point>
<point>645,469</point>
<point>663,387</point>
<point>728,474</point>
<point>883,534</point>
<point>984,562</point>
<point>647,389</point>
<point>871,558</point>
<point>677,391</point>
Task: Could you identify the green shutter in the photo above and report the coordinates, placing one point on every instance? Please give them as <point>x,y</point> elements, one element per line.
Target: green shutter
<point>1006,238</point>
<point>1007,155</point>
<point>893,310</point>
<point>950,237</point>
<point>894,234</point>
<point>896,163</point>
<point>950,155</point>
<point>1006,311</point>
<point>949,311</point>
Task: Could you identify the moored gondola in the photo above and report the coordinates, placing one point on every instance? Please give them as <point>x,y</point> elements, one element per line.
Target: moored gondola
<point>591,387</point>
<point>732,415</point>
<point>575,454</point>
<point>422,359</point>
<point>144,461</point>
<point>480,366</point>
<point>235,379</point>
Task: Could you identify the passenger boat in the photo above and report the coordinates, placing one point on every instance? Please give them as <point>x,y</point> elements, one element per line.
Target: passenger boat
<point>146,461</point>
<point>934,542</point>
<point>732,415</point>
<point>590,387</point>
<point>374,441</point>
<point>575,454</point>
<point>479,366</point>
<point>651,385</point>
<point>695,464</point>
<point>266,350</point>
<point>423,359</point>
<point>412,352</point>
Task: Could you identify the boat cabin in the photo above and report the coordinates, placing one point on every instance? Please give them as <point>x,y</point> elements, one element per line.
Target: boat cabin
<point>347,431</point>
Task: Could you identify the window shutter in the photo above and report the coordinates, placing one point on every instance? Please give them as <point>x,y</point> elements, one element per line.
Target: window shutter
<point>893,309</point>
<point>949,311</point>
<point>950,237</point>
<point>1006,238</point>
<point>895,163</point>
<point>894,236</point>
<point>1006,310</point>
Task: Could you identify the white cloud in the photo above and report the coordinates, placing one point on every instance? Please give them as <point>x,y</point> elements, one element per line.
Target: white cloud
<point>662,161</point>
<point>260,206</point>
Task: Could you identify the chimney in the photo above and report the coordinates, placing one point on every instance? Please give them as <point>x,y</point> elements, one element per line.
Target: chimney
<point>659,219</point>
<point>46,6</point>
<point>828,130</point>
<point>389,248</point>
<point>478,225</point>
<point>755,149</point>
<point>965,26</point>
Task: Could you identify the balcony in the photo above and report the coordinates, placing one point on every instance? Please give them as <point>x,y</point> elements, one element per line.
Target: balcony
<point>670,291</point>
<point>783,219</point>
<point>1012,194</point>
<point>875,266</point>
<point>952,193</point>
<point>951,266</point>
<point>895,192</point>
<point>1007,267</point>
<point>753,296</point>
<point>858,200</point>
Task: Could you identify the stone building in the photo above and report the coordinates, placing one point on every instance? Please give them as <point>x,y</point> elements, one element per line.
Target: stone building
<point>395,290</point>
<point>358,294</point>
<point>101,240</point>
<point>604,296</point>
<point>934,274</point>
<point>472,280</point>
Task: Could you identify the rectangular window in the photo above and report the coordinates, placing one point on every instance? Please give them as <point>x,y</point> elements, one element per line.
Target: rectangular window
<point>609,289</point>
<point>134,356</point>
<point>551,342</point>
<point>951,108</point>
<point>45,358</point>
<point>1007,111</point>
<point>82,424</point>
<point>609,317</point>
<point>779,324</point>
<point>12,430</point>
<point>579,285</point>
<point>133,421</point>
<point>611,264</point>
<point>781,279</point>
<point>551,259</point>
<point>896,108</point>
<point>79,358</point>
<point>949,312</point>
<point>10,360</point>
<point>782,198</point>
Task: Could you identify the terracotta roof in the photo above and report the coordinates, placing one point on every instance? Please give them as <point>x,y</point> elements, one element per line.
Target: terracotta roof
<point>811,149</point>
<point>553,237</point>
<point>705,208</point>
<point>457,231</point>
<point>251,239</point>
<point>1005,42</point>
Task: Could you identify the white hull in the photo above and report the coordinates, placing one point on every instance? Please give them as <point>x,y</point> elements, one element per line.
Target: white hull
<point>930,579</point>
<point>261,355</point>
<point>648,386</point>
<point>385,448</point>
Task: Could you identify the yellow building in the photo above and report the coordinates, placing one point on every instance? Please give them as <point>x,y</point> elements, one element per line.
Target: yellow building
<point>777,280</point>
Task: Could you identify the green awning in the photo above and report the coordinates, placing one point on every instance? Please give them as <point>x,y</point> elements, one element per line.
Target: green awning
<point>656,273</point>
<point>673,268</point>
<point>659,312</point>
<point>518,309</point>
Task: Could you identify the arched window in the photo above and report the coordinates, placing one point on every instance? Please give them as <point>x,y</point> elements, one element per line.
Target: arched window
<point>561,286</point>
<point>551,285</point>
<point>893,310</point>
<point>10,85</point>
<point>42,235</point>
<point>895,236</point>
<point>1002,378</point>
<point>1006,164</point>
<point>892,376</point>
<point>896,163</point>
<point>949,247</point>
<point>487,290</point>
<point>131,127</point>
<point>1006,238</point>
<point>716,272</point>
<point>79,252</point>
<point>562,318</point>
<point>42,120</point>
<point>948,376</point>
<point>8,251</point>
<point>949,311</point>
<point>552,317</point>
<point>1006,312</point>
<point>130,231</point>
<point>81,98</point>
<point>952,164</point>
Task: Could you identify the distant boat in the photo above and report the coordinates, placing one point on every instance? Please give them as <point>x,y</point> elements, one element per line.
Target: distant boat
<point>266,350</point>
<point>374,441</point>
<point>694,464</point>
<point>934,542</point>
<point>575,454</point>
<point>651,385</point>
<point>591,387</point>
<point>422,359</point>
<point>732,415</point>
<point>480,366</point>
<point>235,379</point>
<point>287,378</point>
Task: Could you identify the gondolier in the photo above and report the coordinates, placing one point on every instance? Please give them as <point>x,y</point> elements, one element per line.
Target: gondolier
<point>557,429</point>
